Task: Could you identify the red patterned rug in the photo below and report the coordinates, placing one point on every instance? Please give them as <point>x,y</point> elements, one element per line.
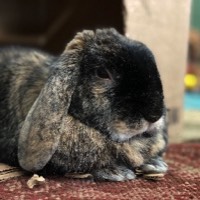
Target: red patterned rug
<point>182,182</point>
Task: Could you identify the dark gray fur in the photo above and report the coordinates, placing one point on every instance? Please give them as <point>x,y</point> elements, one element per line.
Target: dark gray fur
<point>84,111</point>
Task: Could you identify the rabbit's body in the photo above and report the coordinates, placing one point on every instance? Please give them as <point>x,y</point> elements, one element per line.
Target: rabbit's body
<point>108,126</point>
<point>89,150</point>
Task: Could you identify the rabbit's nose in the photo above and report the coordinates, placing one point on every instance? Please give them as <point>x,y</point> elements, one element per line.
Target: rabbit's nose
<point>152,118</point>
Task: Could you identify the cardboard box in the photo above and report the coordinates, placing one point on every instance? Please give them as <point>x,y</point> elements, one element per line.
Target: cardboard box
<point>164,26</point>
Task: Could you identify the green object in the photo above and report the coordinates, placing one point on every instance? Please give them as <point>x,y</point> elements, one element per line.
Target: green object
<point>195,15</point>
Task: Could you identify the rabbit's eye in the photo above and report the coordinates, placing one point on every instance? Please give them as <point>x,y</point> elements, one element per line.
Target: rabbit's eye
<point>103,73</point>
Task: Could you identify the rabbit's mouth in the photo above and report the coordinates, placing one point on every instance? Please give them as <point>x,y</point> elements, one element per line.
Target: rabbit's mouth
<point>122,132</point>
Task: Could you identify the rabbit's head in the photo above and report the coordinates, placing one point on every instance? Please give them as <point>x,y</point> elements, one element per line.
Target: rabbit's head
<point>119,90</point>
<point>105,80</point>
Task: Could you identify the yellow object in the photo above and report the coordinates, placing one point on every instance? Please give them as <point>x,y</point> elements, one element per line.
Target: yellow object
<point>190,81</point>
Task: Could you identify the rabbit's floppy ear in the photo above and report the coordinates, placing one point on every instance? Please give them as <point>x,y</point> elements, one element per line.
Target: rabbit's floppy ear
<point>40,133</point>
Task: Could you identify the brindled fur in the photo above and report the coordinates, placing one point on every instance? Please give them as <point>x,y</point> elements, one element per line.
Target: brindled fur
<point>96,108</point>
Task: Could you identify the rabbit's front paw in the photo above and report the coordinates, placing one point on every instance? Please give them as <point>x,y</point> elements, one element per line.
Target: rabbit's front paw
<point>118,173</point>
<point>155,168</point>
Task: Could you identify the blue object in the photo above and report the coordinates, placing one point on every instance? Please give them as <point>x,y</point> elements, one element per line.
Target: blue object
<point>192,101</point>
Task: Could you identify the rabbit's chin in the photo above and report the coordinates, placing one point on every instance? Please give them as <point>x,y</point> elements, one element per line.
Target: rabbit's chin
<point>120,136</point>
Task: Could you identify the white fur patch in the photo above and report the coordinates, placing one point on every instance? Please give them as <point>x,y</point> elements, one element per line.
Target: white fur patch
<point>158,124</point>
<point>124,133</point>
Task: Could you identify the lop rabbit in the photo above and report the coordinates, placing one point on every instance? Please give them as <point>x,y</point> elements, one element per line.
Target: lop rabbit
<point>97,108</point>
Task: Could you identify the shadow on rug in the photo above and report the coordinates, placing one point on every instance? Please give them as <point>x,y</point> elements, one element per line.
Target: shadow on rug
<point>181,182</point>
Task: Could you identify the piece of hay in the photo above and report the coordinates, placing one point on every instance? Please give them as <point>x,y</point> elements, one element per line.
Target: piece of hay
<point>155,177</point>
<point>8,172</point>
<point>78,175</point>
<point>35,180</point>
<point>149,176</point>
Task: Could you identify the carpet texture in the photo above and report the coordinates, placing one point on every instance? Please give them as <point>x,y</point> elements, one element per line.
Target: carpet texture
<point>182,182</point>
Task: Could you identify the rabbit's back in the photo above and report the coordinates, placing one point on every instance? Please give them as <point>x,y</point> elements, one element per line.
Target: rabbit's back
<point>23,73</point>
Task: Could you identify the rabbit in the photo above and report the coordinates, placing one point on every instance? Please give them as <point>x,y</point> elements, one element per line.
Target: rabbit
<point>97,108</point>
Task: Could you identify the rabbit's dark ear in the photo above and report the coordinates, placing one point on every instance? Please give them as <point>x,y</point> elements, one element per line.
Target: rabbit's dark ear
<point>40,133</point>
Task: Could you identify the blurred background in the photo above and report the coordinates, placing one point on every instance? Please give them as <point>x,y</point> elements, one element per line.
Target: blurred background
<point>191,124</point>
<point>49,25</point>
